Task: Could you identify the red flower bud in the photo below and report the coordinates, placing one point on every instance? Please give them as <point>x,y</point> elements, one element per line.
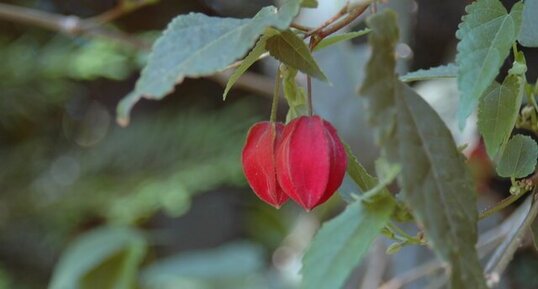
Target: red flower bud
<point>311,161</point>
<point>258,160</point>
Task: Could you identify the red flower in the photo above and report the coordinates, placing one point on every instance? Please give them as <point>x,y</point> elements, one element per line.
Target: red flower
<point>259,162</point>
<point>311,161</point>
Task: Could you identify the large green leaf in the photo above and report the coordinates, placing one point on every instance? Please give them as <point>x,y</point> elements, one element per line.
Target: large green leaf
<point>486,36</point>
<point>497,112</point>
<point>106,258</point>
<point>196,45</point>
<point>292,50</point>
<point>443,71</point>
<point>341,243</point>
<point>435,181</point>
<point>519,157</point>
<point>529,26</point>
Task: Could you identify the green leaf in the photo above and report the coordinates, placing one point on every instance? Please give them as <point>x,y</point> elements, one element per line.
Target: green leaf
<point>196,45</point>
<point>486,36</point>
<point>358,173</point>
<point>497,112</point>
<point>529,27</point>
<point>219,263</point>
<point>519,157</point>
<point>309,3</point>
<point>326,42</point>
<point>251,58</point>
<point>435,181</point>
<point>294,94</point>
<point>292,50</point>
<point>444,71</point>
<point>106,258</point>
<point>341,243</point>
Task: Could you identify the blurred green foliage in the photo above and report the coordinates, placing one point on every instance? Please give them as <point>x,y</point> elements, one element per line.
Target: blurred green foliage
<point>66,167</point>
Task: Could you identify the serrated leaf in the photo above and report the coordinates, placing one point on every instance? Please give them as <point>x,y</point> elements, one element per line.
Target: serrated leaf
<point>294,94</point>
<point>331,40</point>
<point>486,36</point>
<point>251,58</point>
<point>435,181</point>
<point>196,45</point>
<point>341,243</point>
<point>497,113</point>
<point>519,157</point>
<point>309,3</point>
<point>529,26</point>
<point>292,50</point>
<point>107,257</point>
<point>444,71</point>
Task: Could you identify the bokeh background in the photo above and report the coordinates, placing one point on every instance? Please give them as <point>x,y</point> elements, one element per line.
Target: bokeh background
<point>162,203</point>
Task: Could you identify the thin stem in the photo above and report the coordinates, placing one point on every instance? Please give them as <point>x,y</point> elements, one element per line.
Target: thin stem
<point>500,205</point>
<point>309,95</point>
<point>300,27</point>
<point>70,25</point>
<point>374,7</point>
<point>344,22</point>
<point>276,96</point>
<point>328,22</point>
<point>310,107</point>
<point>496,265</point>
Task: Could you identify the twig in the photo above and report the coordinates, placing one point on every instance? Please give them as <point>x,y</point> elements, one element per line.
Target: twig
<point>70,25</point>
<point>91,27</point>
<point>328,22</point>
<point>300,27</point>
<point>335,23</point>
<point>500,205</point>
<point>375,269</point>
<point>354,14</point>
<point>413,275</point>
<point>498,262</point>
<point>487,243</point>
<point>256,83</point>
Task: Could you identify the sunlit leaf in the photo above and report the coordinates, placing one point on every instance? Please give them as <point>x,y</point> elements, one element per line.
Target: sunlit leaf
<point>519,157</point>
<point>443,71</point>
<point>486,36</point>
<point>529,26</point>
<point>106,258</point>
<point>497,112</point>
<point>292,50</point>
<point>435,181</point>
<point>196,45</point>
<point>342,242</point>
